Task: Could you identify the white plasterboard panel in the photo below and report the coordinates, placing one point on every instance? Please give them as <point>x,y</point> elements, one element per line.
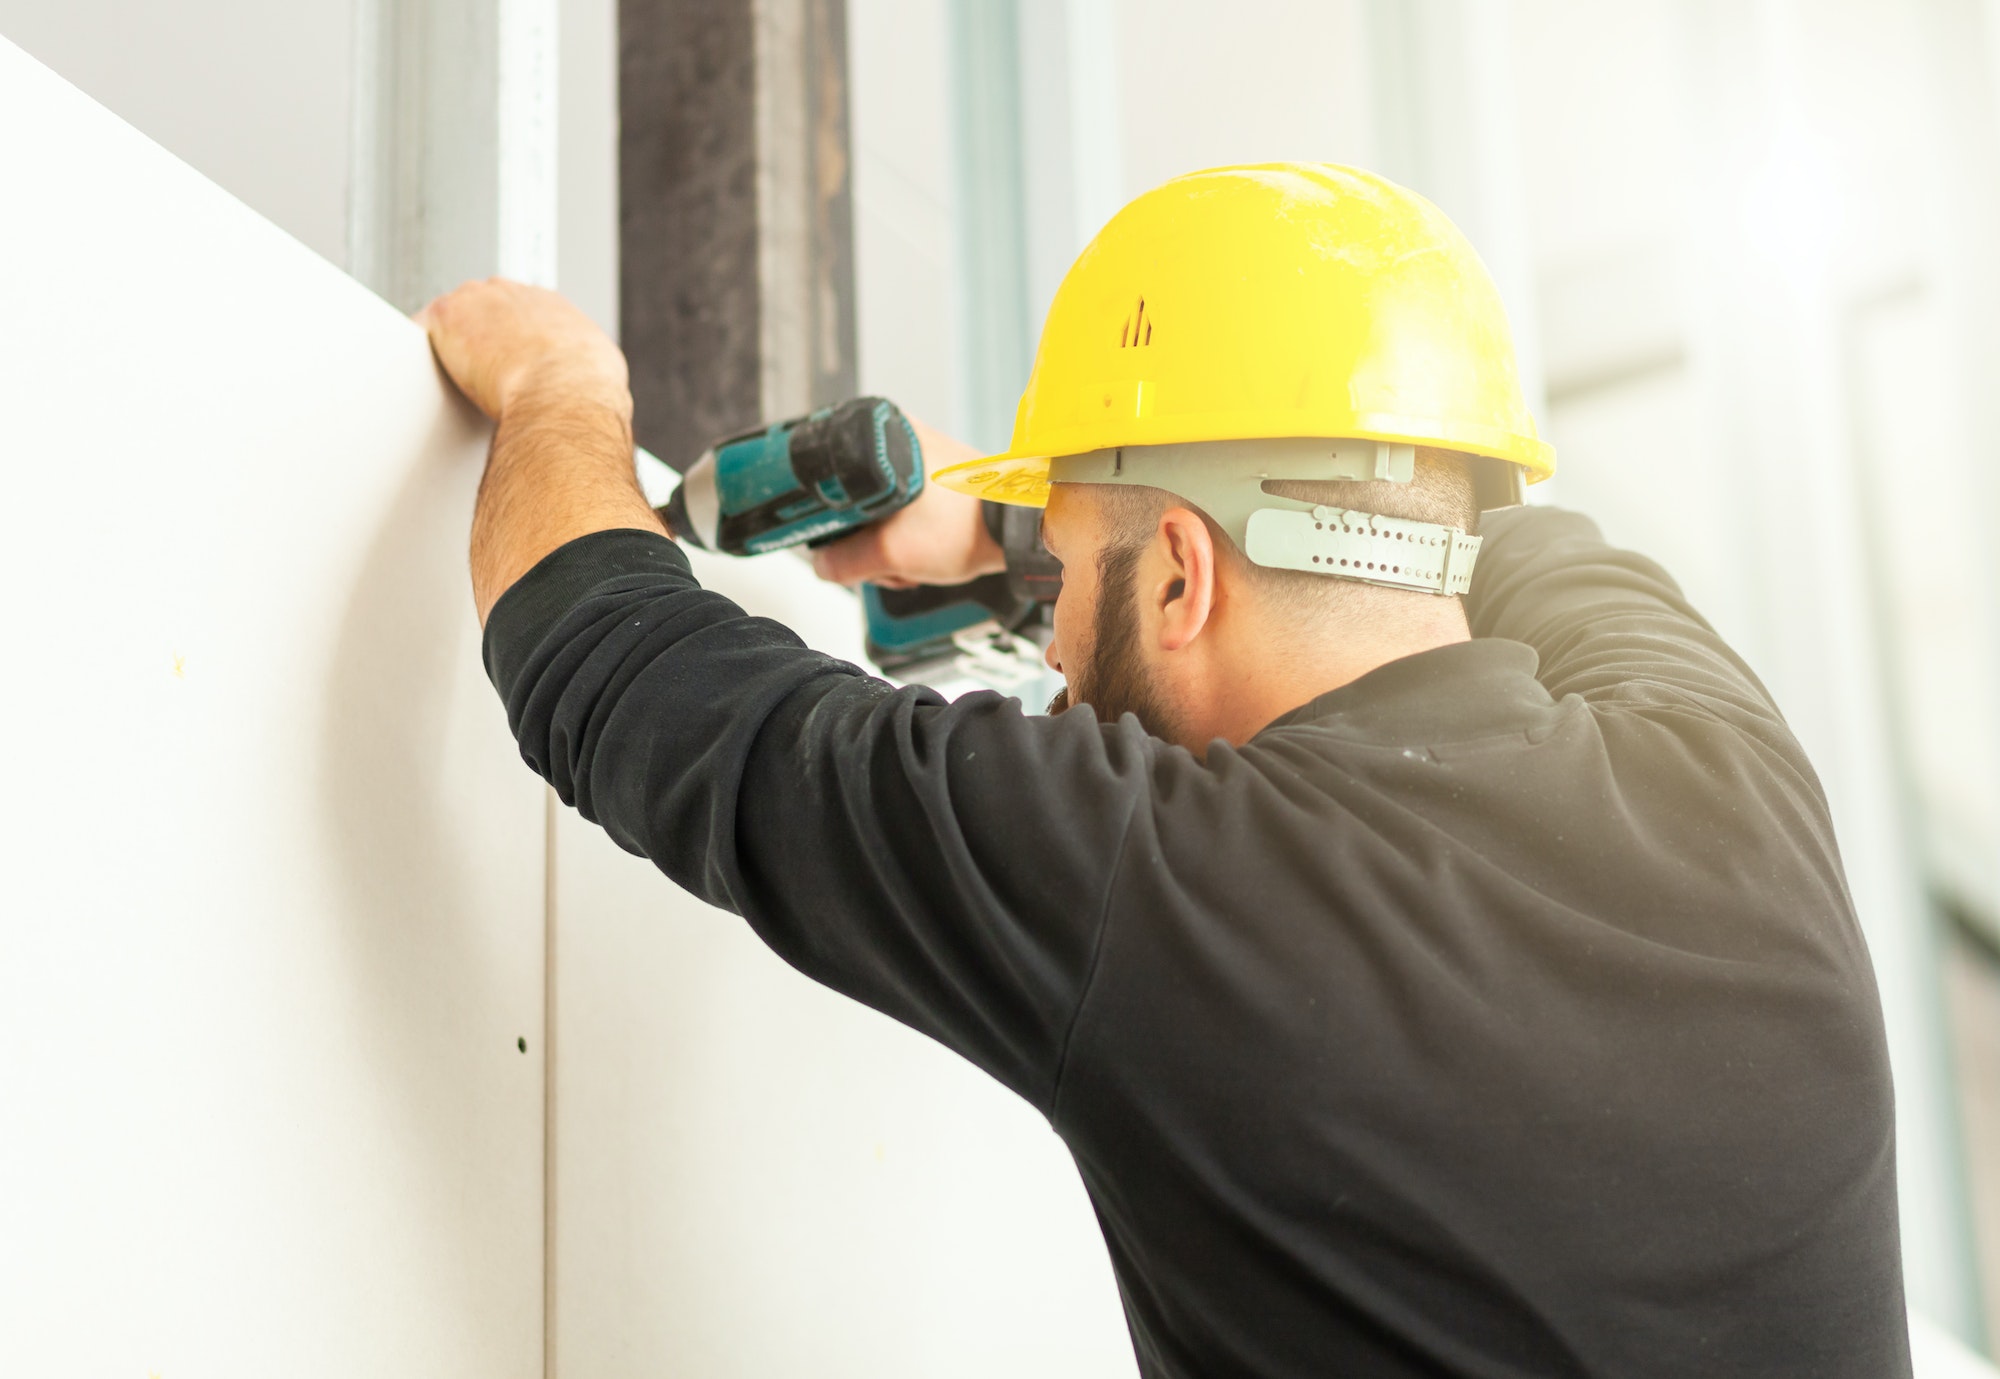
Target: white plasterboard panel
<point>273,872</point>
<point>756,1177</point>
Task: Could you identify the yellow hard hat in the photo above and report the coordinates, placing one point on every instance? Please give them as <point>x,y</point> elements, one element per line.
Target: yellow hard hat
<point>1278,300</point>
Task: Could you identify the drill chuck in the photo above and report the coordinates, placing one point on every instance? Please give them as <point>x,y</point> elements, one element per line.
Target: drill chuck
<point>691,513</point>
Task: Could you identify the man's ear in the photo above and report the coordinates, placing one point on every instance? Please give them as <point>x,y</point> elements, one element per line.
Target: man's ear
<point>1184,593</point>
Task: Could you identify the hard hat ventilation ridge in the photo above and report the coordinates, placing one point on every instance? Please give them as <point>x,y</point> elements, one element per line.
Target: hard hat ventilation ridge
<point>1138,329</point>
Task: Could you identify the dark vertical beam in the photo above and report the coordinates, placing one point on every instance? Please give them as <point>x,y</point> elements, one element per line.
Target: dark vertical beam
<point>687,219</point>
<point>735,221</point>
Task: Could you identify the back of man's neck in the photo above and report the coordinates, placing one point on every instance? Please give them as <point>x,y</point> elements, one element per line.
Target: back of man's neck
<point>1304,664</point>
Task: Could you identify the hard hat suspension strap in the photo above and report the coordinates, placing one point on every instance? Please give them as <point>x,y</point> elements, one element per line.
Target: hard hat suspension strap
<point>1365,546</point>
<point>1225,479</point>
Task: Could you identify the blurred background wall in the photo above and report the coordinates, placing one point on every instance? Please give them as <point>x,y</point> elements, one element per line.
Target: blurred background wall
<point>1748,247</point>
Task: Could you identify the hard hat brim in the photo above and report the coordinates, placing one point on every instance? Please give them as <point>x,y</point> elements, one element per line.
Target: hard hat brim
<point>1023,480</point>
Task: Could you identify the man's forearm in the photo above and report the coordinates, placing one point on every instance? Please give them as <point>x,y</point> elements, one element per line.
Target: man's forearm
<point>560,467</point>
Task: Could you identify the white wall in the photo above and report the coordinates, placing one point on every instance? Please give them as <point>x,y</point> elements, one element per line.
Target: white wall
<point>908,309</point>
<point>255,95</point>
<point>271,957</point>
<point>1263,81</point>
<point>587,158</point>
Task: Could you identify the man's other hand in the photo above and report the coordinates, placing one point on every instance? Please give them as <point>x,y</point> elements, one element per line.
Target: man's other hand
<point>498,339</point>
<point>941,538</point>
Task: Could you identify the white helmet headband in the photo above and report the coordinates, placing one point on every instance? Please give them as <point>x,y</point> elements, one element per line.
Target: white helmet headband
<point>1225,479</point>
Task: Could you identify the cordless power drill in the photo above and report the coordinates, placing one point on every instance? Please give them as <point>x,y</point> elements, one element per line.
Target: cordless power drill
<point>816,478</point>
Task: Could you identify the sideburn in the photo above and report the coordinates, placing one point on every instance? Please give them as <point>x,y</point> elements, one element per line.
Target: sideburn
<point>1115,682</point>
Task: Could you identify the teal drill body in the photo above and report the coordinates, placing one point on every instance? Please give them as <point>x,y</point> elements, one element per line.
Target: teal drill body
<point>814,479</point>
<point>800,482</point>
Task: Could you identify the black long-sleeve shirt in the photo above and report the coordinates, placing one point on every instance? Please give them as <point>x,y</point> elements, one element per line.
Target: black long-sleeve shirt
<point>1502,1012</point>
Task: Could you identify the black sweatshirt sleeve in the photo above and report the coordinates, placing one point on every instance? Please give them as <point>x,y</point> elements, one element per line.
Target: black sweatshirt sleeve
<point>946,863</point>
<point>1608,625</point>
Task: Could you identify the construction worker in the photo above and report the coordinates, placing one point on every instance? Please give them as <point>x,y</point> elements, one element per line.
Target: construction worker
<point>1423,930</point>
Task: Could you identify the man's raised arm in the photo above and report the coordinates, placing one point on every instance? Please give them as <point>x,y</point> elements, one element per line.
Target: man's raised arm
<point>561,464</point>
<point>948,864</point>
<point>1606,623</point>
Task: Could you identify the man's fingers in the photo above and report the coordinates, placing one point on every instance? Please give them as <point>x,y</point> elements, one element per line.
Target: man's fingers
<point>940,538</point>
<point>491,334</point>
<point>853,559</point>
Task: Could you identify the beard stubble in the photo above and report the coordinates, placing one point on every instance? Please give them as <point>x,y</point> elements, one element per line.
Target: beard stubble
<point>1114,682</point>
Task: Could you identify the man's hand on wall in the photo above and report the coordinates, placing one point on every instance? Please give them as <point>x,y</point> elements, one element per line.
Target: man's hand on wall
<point>499,339</point>
<point>560,466</point>
<point>941,538</point>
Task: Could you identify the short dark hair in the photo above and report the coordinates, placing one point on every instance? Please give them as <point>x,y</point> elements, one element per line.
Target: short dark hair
<point>1440,491</point>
